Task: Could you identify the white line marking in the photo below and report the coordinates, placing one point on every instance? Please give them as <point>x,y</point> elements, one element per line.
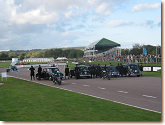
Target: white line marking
<point>101,88</point>
<point>74,83</point>
<point>122,92</point>
<point>62,81</point>
<point>149,96</point>
<point>86,85</point>
<point>93,96</point>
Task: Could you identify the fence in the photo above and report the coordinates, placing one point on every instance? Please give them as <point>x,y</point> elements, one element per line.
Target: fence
<point>130,60</point>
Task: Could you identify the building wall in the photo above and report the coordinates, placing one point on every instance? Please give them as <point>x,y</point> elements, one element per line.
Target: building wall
<point>38,60</point>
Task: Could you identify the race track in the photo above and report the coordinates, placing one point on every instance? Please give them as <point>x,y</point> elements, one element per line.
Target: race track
<point>141,92</point>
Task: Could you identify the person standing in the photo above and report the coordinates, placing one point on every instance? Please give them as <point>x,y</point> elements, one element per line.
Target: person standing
<point>90,70</point>
<point>76,72</point>
<point>67,72</point>
<point>39,71</point>
<point>32,72</point>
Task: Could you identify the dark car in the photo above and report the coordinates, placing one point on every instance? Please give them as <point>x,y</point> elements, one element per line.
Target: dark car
<point>83,71</point>
<point>134,70</point>
<point>12,68</point>
<point>50,73</point>
<point>114,71</point>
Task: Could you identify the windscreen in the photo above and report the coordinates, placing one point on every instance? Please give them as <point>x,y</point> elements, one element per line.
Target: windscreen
<point>134,67</point>
<point>54,70</point>
<point>112,68</point>
<point>83,68</point>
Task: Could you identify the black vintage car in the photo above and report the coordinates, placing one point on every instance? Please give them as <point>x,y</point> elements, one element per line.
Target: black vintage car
<point>82,71</point>
<point>49,73</point>
<point>129,70</point>
<point>114,71</point>
<point>134,70</point>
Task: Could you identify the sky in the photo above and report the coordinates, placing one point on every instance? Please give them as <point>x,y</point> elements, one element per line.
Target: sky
<point>42,24</point>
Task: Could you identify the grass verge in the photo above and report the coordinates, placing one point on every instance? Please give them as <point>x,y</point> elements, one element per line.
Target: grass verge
<point>152,74</point>
<point>4,64</point>
<point>27,101</point>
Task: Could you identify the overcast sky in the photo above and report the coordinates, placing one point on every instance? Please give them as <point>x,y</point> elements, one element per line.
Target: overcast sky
<point>40,24</point>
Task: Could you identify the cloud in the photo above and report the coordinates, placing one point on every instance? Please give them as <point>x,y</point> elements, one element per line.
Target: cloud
<point>117,23</point>
<point>141,7</point>
<point>37,16</point>
<point>27,24</point>
<point>147,23</point>
<point>68,14</point>
<point>101,8</point>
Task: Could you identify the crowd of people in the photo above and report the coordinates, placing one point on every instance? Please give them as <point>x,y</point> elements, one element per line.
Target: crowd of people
<point>128,58</point>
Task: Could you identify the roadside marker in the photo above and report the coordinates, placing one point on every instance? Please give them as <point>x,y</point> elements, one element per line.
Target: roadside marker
<point>85,85</point>
<point>101,88</point>
<point>122,92</point>
<point>74,83</point>
<point>149,96</point>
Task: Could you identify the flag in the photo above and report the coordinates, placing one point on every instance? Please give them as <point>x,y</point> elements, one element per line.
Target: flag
<point>144,51</point>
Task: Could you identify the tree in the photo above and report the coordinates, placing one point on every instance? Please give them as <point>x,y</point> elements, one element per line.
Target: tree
<point>125,52</point>
<point>4,56</point>
<point>22,56</point>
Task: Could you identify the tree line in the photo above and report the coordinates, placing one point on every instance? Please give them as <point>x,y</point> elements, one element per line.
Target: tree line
<point>55,53</point>
<point>71,53</point>
<point>138,49</point>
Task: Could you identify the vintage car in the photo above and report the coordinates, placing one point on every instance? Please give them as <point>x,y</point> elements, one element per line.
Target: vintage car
<point>12,69</point>
<point>83,71</point>
<point>114,71</point>
<point>50,73</point>
<point>134,70</point>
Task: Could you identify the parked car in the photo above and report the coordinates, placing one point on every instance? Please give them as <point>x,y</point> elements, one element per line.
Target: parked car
<point>83,71</point>
<point>134,70</point>
<point>12,69</point>
<point>114,71</point>
<point>50,73</point>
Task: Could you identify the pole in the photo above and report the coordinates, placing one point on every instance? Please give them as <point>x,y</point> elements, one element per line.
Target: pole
<point>156,54</point>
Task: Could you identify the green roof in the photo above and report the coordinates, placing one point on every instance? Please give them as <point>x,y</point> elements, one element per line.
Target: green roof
<point>106,43</point>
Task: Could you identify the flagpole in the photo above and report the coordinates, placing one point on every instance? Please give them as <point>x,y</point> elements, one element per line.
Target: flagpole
<point>156,54</point>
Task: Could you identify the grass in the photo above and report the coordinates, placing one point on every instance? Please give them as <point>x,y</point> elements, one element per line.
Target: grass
<point>153,74</point>
<point>4,64</point>
<point>27,101</point>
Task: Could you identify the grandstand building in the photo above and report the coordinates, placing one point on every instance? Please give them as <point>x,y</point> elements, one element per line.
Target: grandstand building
<point>103,47</point>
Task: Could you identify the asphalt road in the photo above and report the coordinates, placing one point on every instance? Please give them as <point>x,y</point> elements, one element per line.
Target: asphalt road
<point>141,92</point>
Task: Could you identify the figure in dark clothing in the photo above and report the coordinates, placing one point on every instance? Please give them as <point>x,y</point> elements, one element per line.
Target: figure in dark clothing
<point>67,72</point>
<point>90,70</point>
<point>39,71</point>
<point>77,72</point>
<point>141,68</point>
<point>32,72</point>
<point>98,71</point>
<point>122,69</point>
<point>105,67</point>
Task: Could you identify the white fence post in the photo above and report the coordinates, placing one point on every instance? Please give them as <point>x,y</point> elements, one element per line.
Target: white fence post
<point>3,75</point>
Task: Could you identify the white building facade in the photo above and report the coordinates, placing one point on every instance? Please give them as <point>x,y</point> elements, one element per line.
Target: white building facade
<point>38,60</point>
